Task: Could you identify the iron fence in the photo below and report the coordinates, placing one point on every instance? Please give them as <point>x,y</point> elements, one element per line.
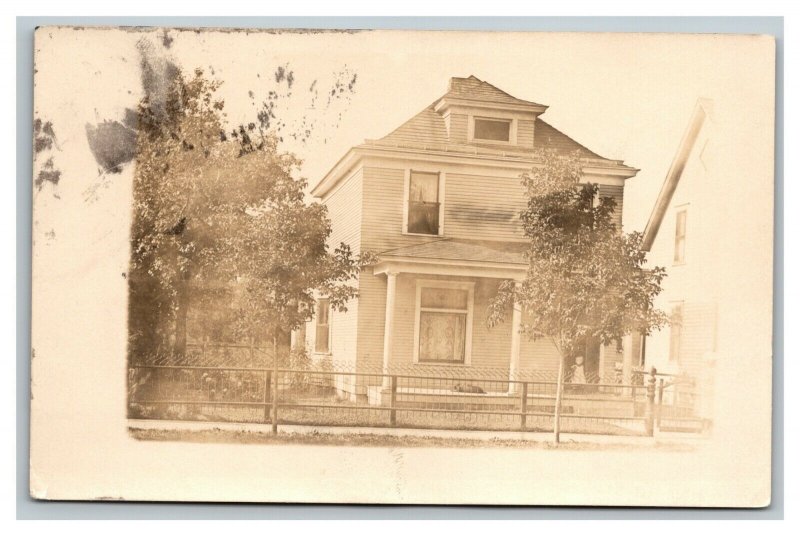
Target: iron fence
<point>436,398</point>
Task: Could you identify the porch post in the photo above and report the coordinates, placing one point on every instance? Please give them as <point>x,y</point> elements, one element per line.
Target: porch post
<point>388,326</point>
<point>627,361</point>
<point>513,368</point>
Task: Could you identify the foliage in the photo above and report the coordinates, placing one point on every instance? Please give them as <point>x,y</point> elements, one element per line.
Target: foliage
<point>213,211</point>
<point>585,277</point>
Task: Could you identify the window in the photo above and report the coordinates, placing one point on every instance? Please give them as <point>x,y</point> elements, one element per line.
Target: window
<point>675,331</point>
<point>423,203</point>
<point>444,322</point>
<point>323,335</point>
<point>680,237</point>
<point>492,129</point>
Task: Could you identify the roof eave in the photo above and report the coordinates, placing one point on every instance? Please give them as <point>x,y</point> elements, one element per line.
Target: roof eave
<point>530,107</point>
<point>700,113</point>
<point>351,158</point>
<point>342,167</point>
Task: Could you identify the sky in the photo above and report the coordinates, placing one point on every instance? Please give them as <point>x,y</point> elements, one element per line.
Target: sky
<point>624,96</point>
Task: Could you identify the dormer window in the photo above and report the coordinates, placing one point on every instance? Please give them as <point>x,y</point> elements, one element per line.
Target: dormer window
<point>492,129</point>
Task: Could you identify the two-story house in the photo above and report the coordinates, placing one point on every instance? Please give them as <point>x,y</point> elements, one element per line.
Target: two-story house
<point>438,201</point>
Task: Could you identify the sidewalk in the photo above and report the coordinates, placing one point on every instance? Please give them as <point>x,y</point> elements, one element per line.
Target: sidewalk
<point>661,439</point>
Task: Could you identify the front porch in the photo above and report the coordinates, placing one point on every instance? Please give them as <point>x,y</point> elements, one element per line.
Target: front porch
<point>436,298</point>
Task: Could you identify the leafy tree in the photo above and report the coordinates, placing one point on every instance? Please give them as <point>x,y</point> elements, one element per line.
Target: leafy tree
<point>220,218</point>
<point>585,279</point>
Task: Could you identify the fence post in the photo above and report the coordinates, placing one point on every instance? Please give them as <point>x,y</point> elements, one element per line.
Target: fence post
<point>660,402</point>
<point>274,384</point>
<point>651,395</point>
<point>267,382</point>
<point>393,403</point>
<point>523,406</point>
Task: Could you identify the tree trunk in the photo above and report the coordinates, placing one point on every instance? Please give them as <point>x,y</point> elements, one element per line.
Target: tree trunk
<point>559,392</point>
<point>181,314</point>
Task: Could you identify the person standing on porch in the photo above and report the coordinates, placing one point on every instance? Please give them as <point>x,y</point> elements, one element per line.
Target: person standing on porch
<point>578,373</point>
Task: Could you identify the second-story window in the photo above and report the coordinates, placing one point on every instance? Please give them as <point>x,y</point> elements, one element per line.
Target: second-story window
<point>423,203</point>
<point>680,237</point>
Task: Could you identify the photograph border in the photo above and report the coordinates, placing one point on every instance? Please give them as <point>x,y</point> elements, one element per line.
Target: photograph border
<point>28,508</point>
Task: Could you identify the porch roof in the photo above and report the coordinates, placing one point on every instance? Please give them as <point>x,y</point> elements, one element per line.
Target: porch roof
<point>458,251</point>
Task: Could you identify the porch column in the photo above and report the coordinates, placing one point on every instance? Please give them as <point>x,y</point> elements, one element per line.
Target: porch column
<point>516,324</point>
<point>388,325</point>
<point>627,360</point>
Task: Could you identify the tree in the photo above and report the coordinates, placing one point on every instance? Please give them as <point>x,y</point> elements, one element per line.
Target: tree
<point>585,278</point>
<point>221,218</point>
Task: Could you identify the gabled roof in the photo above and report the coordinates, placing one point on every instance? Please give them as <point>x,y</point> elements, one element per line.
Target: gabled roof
<point>427,129</point>
<point>464,250</point>
<point>702,111</point>
<point>426,132</point>
<point>473,88</point>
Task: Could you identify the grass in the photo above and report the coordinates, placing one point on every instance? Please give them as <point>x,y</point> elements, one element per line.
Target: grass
<point>217,435</point>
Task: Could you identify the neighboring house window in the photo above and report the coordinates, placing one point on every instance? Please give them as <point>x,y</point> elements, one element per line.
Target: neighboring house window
<point>322,340</point>
<point>680,236</point>
<point>423,203</point>
<point>444,322</point>
<point>675,331</point>
<point>492,129</point>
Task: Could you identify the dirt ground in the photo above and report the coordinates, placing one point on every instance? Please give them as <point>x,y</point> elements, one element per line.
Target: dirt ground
<point>217,435</point>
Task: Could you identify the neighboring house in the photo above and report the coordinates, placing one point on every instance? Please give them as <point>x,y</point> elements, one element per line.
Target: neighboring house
<point>438,202</point>
<point>710,228</point>
<point>680,237</point>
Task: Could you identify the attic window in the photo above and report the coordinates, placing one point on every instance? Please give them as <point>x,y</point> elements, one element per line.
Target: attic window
<point>492,129</point>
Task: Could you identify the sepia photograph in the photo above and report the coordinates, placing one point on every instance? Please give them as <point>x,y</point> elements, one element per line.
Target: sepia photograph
<point>405,267</point>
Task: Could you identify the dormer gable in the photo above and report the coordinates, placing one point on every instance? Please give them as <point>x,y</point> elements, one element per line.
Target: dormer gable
<point>478,113</point>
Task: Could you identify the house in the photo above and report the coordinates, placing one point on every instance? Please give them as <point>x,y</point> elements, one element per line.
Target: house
<point>438,201</point>
<point>711,229</point>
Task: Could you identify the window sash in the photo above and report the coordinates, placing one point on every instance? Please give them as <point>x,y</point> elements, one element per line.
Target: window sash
<point>423,203</point>
<point>443,336</point>
<point>423,218</point>
<point>492,129</point>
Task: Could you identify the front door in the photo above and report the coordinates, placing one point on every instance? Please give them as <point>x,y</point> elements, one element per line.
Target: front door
<point>584,363</point>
